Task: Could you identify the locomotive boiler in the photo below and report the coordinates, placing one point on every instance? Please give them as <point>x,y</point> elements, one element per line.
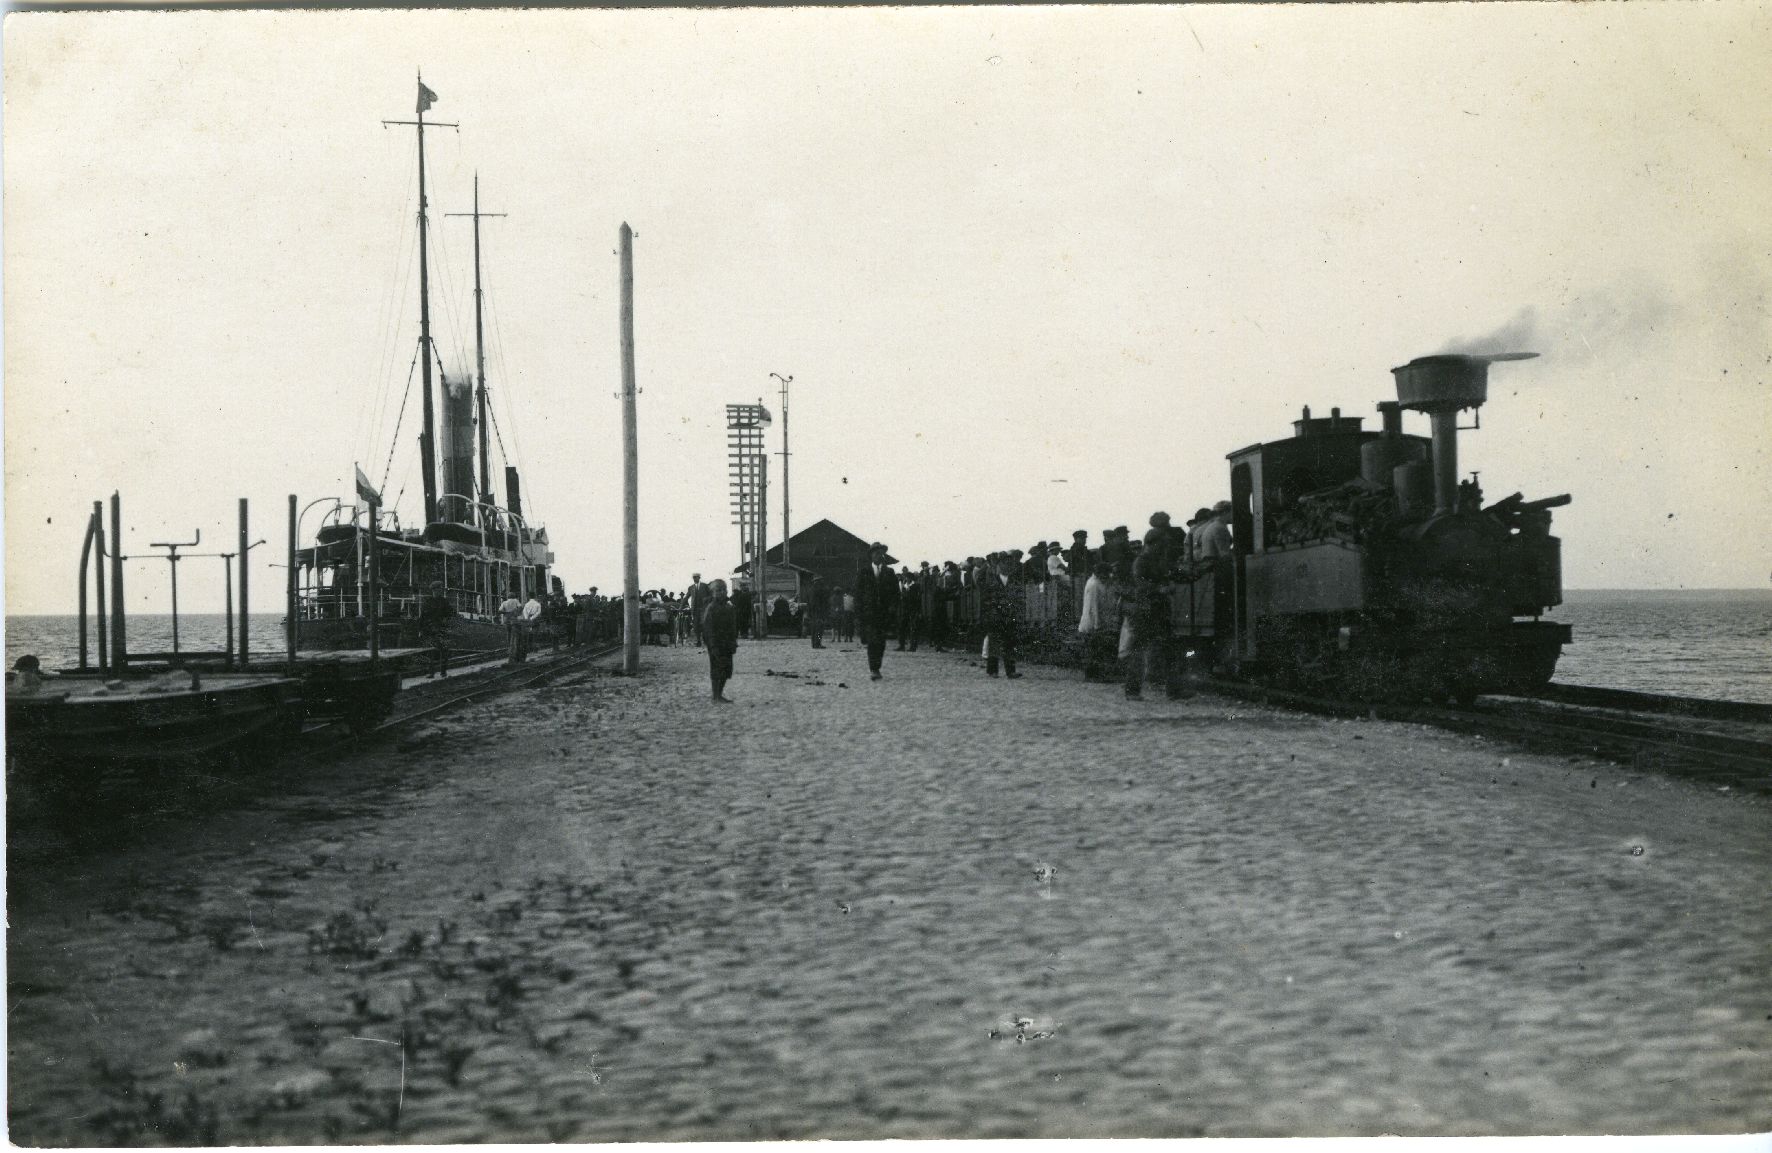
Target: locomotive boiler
<point>1362,563</point>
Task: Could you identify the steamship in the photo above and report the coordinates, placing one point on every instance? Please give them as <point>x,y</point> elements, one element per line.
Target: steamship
<point>479,550</point>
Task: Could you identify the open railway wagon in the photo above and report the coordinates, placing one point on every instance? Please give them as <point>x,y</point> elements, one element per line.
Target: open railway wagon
<point>1362,565</point>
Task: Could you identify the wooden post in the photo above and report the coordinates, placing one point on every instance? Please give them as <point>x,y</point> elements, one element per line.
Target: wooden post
<point>85,561</point>
<point>375,584</point>
<point>244,546</point>
<point>119,632</point>
<point>630,487</point>
<point>228,589</point>
<point>98,529</point>
<point>291,627</point>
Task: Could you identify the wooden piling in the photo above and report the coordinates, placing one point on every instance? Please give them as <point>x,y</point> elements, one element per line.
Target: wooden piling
<point>104,640</point>
<point>85,561</point>
<point>244,546</point>
<point>290,626</point>
<point>119,631</point>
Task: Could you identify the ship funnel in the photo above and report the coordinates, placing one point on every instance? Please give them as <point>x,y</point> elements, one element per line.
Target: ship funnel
<point>458,449</point>
<point>1443,386</point>
<point>513,491</point>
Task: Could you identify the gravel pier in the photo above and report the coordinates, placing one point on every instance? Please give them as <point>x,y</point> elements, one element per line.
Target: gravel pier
<point>934,905</point>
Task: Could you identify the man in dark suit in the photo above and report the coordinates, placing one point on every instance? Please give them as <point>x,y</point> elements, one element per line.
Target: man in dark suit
<point>1004,605</point>
<point>817,600</point>
<point>876,604</point>
<point>910,610</point>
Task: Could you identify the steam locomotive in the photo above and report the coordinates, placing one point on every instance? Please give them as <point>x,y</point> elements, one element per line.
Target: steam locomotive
<point>1363,565</point>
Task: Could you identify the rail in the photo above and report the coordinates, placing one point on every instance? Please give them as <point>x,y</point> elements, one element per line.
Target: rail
<point>1647,734</point>
<point>332,734</point>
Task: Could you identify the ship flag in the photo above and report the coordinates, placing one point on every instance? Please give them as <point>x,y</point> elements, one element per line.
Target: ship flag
<point>426,97</point>
<point>365,489</point>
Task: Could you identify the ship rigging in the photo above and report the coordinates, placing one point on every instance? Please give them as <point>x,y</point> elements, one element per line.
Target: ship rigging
<point>480,551</point>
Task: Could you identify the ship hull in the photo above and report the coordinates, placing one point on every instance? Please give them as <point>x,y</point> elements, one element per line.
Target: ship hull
<point>466,634</point>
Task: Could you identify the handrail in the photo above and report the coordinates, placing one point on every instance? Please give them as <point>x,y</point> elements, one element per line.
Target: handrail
<point>85,560</point>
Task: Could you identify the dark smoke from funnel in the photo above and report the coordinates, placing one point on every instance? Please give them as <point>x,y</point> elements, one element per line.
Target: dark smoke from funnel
<point>1520,331</point>
<point>458,383</point>
<point>1585,327</point>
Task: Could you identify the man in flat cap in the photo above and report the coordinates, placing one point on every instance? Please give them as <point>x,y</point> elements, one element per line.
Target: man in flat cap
<point>435,618</point>
<point>910,609</point>
<point>1214,539</point>
<point>876,604</point>
<point>1003,605</point>
<point>1080,561</point>
<point>1154,650</point>
<point>699,597</point>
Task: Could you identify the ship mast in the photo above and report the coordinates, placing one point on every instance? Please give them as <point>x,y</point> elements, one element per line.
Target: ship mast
<point>480,361</point>
<point>427,443</point>
<point>480,357</point>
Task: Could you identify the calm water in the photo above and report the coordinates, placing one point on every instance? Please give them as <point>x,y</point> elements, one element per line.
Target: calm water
<point>56,639</point>
<point>1701,643</point>
<point>1714,643</point>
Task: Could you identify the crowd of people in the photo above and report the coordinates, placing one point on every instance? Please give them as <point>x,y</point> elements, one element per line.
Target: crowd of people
<point>1116,601</point>
<point>1119,594</point>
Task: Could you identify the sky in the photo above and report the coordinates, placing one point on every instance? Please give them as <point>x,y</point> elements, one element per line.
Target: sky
<point>1031,269</point>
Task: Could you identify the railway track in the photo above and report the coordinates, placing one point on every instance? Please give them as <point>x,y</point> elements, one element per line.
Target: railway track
<point>1727,742</point>
<point>474,687</point>
<point>119,799</point>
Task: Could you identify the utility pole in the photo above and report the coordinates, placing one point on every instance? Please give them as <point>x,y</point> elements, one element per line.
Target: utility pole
<point>760,545</point>
<point>630,479</point>
<point>786,531</point>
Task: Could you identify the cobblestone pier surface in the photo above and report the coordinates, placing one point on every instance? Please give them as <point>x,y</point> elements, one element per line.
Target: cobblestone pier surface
<point>935,905</point>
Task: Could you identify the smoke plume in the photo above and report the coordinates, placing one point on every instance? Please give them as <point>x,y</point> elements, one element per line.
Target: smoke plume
<point>1519,333</point>
<point>459,382</point>
<point>1585,326</point>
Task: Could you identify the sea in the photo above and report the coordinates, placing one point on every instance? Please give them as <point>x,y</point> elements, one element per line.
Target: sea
<point>55,640</point>
<point>1710,643</point>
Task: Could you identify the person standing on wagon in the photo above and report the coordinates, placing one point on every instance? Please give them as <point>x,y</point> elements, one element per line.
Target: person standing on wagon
<point>720,631</point>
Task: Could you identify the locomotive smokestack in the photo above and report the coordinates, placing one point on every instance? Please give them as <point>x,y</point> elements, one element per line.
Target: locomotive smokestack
<point>1443,386</point>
